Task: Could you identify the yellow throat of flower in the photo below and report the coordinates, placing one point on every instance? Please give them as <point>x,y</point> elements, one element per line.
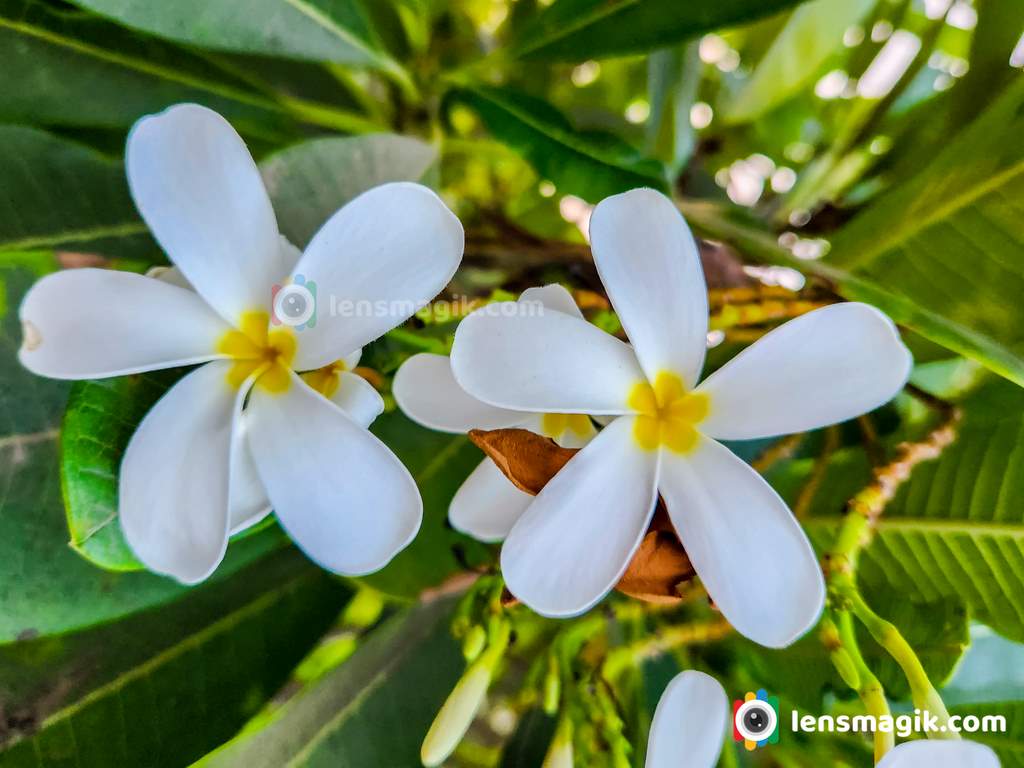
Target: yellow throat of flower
<point>668,414</point>
<point>254,348</point>
<point>554,425</point>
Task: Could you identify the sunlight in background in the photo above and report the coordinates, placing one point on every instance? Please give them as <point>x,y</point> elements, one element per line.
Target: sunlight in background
<point>889,65</point>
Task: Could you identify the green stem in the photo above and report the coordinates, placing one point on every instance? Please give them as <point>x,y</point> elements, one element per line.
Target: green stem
<point>923,693</point>
<point>841,640</point>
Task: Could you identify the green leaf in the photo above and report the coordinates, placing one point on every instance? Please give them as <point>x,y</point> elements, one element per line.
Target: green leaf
<point>320,30</point>
<point>812,34</point>
<point>587,164</point>
<point>1009,746</point>
<point>955,530</point>
<point>673,79</point>
<point>56,194</point>
<point>310,181</point>
<point>933,322</point>
<point>45,588</point>
<point>573,30</point>
<point>173,705</point>
<point>949,240</point>
<point>373,710</point>
<point>60,67</point>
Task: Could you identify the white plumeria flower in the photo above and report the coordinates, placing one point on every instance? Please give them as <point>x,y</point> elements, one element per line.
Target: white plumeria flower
<point>579,534</point>
<point>487,504</point>
<point>690,723</point>
<point>198,467</point>
<point>940,754</point>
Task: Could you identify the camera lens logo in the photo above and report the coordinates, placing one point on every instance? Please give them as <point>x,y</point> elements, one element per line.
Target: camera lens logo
<point>755,720</point>
<point>294,303</point>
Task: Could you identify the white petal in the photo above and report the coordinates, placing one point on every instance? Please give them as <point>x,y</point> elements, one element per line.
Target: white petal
<point>175,476</point>
<point>551,363</point>
<point>689,723</point>
<point>940,754</point>
<point>650,266</point>
<point>249,502</point>
<point>744,543</point>
<point>376,262</point>
<point>822,368</point>
<point>552,296</point>
<point>93,323</point>
<point>351,360</point>
<point>357,397</point>
<point>201,194</point>
<point>576,539</point>
<point>341,494</point>
<point>426,391</point>
<point>487,505</point>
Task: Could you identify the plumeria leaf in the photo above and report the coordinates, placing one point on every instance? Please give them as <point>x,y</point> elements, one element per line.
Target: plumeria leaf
<point>954,529</point>
<point>949,240</point>
<point>306,186</point>
<point>590,165</point>
<point>305,29</point>
<point>67,68</point>
<point>371,710</point>
<point>172,683</point>
<point>1009,746</point>
<point>574,30</point>
<point>45,588</point>
<point>39,211</point>
<point>659,566</point>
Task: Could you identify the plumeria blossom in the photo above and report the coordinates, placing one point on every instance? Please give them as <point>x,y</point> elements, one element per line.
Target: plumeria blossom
<point>579,534</point>
<point>487,504</point>
<point>940,754</point>
<point>690,723</point>
<point>199,466</point>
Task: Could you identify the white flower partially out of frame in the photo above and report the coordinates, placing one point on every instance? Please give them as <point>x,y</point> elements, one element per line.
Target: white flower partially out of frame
<point>579,534</point>
<point>199,466</point>
<point>940,754</point>
<point>690,723</point>
<point>487,504</point>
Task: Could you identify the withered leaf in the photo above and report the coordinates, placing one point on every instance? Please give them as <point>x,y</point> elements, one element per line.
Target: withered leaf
<point>659,566</point>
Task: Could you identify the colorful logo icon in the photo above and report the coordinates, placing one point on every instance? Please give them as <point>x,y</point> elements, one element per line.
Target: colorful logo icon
<point>755,719</point>
<point>294,303</point>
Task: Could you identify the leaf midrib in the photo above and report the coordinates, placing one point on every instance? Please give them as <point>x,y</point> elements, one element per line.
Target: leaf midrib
<point>593,17</point>
<point>139,65</point>
<point>83,235</point>
<point>931,525</point>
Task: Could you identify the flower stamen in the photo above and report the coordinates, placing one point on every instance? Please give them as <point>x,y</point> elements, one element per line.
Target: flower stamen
<point>258,350</point>
<point>667,413</point>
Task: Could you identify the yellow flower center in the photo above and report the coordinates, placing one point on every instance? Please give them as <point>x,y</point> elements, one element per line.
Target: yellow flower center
<point>326,380</point>
<point>668,413</point>
<point>256,348</point>
<point>554,425</point>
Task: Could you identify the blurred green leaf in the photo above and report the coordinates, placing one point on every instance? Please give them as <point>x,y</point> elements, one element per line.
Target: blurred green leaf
<point>310,181</point>
<point>45,588</point>
<point>574,30</point>
<point>813,33</point>
<point>590,165</point>
<point>57,194</point>
<point>955,530</point>
<point>673,77</point>
<point>321,30</point>
<point>178,692</point>
<point>60,67</point>
<point>373,710</point>
<point>949,239</point>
